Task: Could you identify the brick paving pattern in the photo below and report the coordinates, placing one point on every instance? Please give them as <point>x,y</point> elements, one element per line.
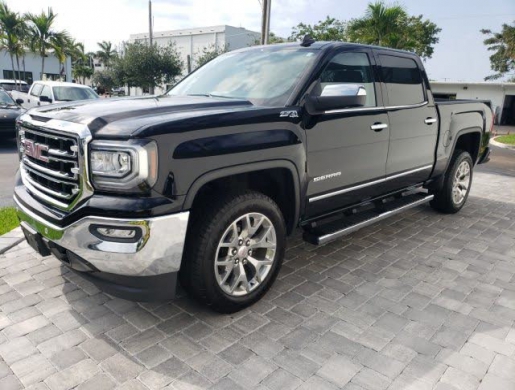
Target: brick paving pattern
<point>420,301</point>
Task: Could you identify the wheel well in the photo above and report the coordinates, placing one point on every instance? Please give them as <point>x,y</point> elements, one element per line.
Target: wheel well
<point>469,142</point>
<point>277,183</point>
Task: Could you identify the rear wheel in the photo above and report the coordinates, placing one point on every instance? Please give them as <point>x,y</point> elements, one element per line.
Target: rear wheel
<point>235,249</point>
<point>457,182</point>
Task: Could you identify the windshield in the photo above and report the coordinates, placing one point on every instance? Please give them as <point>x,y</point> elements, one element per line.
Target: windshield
<point>73,93</point>
<point>6,99</point>
<point>264,77</point>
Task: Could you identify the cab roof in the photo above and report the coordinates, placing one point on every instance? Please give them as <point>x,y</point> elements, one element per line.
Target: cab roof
<point>325,45</point>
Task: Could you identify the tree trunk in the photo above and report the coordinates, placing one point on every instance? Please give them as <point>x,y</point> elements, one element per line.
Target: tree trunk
<point>14,71</point>
<point>42,65</point>
<point>19,74</point>
<point>24,71</point>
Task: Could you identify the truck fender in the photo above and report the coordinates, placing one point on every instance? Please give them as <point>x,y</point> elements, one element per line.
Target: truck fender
<point>461,124</point>
<point>246,168</point>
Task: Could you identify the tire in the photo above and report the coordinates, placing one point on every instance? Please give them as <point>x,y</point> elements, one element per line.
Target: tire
<point>223,233</point>
<point>453,195</point>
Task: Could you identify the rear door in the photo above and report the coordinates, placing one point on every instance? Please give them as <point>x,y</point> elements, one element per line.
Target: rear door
<point>347,148</point>
<point>412,117</point>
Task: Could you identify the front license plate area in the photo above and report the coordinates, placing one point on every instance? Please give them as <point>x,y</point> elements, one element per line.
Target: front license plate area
<point>35,240</point>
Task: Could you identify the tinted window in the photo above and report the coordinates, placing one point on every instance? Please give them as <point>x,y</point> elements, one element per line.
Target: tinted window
<point>46,91</point>
<point>36,89</point>
<point>403,80</point>
<point>350,68</point>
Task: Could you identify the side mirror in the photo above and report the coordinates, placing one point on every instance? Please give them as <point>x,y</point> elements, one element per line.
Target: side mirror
<point>19,101</point>
<point>44,98</point>
<point>337,96</point>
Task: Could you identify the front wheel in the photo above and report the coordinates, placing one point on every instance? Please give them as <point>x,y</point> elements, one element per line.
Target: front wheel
<point>457,182</point>
<point>234,251</point>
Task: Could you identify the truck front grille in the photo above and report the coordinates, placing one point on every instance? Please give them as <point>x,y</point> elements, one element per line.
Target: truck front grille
<point>50,165</point>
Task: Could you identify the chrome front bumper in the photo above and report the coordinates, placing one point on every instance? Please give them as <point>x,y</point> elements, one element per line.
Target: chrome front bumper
<point>157,251</point>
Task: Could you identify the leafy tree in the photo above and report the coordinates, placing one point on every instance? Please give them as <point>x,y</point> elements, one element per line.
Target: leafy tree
<point>106,54</point>
<point>391,26</point>
<point>502,61</point>
<point>330,29</point>
<point>43,37</point>
<point>147,66</point>
<point>272,39</point>
<point>207,54</point>
<point>12,26</point>
<point>105,80</point>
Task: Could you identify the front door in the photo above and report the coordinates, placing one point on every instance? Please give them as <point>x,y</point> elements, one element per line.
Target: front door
<point>348,148</point>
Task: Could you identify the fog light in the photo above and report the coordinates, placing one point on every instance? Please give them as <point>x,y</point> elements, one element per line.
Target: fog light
<point>115,233</point>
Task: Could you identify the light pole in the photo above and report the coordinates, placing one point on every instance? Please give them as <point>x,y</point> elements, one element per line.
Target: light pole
<point>150,36</point>
<point>265,21</point>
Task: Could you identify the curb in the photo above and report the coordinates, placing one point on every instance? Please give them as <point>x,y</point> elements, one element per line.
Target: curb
<point>501,145</point>
<point>10,239</point>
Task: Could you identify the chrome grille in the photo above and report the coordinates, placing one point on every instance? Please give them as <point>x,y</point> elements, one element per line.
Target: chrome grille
<point>50,165</point>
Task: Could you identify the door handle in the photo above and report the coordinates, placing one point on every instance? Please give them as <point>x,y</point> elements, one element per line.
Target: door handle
<point>378,126</point>
<point>430,121</point>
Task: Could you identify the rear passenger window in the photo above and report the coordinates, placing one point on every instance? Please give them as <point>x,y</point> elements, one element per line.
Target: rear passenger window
<point>36,90</point>
<point>403,80</point>
<point>351,68</point>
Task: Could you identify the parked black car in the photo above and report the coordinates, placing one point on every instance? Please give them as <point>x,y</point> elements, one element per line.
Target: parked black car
<point>205,183</point>
<point>9,111</point>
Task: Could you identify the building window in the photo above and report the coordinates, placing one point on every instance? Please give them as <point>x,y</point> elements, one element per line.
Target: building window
<point>24,76</point>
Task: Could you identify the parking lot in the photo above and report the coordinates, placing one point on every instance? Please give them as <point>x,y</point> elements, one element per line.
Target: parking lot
<point>419,301</point>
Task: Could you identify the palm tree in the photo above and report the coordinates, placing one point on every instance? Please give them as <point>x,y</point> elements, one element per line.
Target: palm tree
<point>381,26</point>
<point>61,46</point>
<point>12,26</point>
<point>106,54</point>
<point>42,35</point>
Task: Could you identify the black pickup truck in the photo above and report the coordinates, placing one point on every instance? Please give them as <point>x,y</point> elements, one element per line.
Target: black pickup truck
<point>204,183</point>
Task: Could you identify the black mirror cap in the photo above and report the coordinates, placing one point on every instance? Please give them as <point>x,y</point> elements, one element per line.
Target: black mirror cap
<point>19,101</point>
<point>316,105</point>
<point>45,99</point>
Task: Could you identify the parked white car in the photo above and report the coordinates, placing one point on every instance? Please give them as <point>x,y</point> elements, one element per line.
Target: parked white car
<point>48,92</point>
<point>13,85</point>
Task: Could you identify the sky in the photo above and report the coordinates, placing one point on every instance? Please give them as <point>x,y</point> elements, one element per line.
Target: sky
<point>459,56</point>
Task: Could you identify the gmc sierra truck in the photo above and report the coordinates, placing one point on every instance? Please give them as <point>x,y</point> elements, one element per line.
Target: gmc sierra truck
<point>204,183</point>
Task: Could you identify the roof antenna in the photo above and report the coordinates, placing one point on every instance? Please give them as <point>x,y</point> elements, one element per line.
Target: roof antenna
<point>307,41</point>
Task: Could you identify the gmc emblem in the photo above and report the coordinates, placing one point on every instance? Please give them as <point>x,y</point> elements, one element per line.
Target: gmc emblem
<point>35,150</point>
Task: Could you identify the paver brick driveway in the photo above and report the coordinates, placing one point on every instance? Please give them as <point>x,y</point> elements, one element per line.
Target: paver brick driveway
<point>420,301</point>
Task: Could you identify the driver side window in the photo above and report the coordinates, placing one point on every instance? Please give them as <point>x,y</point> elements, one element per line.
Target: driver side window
<point>351,68</point>
<point>36,90</point>
<point>46,92</point>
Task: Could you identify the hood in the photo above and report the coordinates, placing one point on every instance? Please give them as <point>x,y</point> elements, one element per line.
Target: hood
<point>10,113</point>
<point>123,117</point>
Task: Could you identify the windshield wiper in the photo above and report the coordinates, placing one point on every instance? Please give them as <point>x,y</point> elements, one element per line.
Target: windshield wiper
<point>212,95</point>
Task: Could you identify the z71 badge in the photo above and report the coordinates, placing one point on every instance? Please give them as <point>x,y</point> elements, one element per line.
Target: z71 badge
<point>289,114</point>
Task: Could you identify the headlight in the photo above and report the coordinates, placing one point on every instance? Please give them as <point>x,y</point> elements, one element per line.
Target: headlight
<point>110,164</point>
<point>123,165</point>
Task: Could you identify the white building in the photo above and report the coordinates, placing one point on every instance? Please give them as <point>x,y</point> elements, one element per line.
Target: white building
<point>53,71</point>
<point>190,42</point>
<point>502,96</point>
